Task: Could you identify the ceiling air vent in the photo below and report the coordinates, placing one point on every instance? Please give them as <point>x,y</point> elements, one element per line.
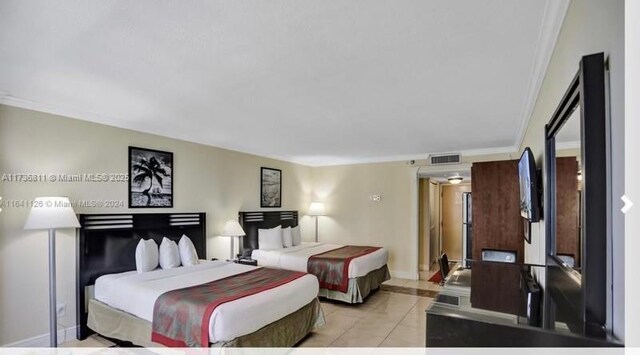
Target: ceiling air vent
<point>444,159</point>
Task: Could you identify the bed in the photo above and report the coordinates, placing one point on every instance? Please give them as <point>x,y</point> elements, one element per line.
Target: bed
<point>365,273</point>
<point>117,302</point>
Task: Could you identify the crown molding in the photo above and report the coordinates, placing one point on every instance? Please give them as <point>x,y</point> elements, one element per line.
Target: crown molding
<point>568,145</point>
<point>110,121</point>
<point>400,158</point>
<point>554,14</point>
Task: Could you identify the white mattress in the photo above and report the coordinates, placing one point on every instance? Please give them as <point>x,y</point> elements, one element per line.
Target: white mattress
<point>137,293</point>
<point>295,258</point>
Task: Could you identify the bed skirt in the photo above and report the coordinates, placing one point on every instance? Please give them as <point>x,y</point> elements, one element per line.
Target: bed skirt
<point>285,332</point>
<point>359,287</point>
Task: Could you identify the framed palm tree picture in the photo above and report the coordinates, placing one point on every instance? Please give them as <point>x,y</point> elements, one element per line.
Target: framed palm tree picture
<point>150,178</point>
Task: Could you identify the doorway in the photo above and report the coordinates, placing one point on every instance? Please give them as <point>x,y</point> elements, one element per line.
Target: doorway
<point>440,216</point>
<point>429,223</point>
<point>451,221</point>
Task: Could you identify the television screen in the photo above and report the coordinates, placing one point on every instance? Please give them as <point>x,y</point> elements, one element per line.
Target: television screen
<point>528,176</point>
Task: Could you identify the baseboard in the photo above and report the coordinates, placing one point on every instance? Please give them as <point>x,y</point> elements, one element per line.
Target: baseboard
<point>42,341</point>
<point>404,275</point>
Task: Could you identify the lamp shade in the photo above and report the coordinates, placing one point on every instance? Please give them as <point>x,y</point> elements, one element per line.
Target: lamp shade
<point>316,209</point>
<point>51,213</point>
<point>233,229</point>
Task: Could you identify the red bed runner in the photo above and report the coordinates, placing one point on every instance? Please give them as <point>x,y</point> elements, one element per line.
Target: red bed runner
<point>332,267</point>
<point>181,317</point>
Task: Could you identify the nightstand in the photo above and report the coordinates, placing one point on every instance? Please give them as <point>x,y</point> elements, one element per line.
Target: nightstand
<point>246,262</point>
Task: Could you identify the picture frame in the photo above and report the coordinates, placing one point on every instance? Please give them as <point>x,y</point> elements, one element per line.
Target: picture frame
<point>270,188</point>
<point>150,178</point>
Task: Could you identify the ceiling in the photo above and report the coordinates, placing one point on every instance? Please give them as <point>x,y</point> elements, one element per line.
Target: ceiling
<point>313,82</point>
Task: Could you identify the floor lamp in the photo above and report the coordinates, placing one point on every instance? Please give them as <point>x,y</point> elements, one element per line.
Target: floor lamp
<point>316,209</point>
<point>52,213</point>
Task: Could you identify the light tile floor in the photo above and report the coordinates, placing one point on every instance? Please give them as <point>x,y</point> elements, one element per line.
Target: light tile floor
<point>386,319</point>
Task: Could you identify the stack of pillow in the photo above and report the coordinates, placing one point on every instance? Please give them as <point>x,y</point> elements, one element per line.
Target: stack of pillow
<point>169,255</point>
<point>279,238</point>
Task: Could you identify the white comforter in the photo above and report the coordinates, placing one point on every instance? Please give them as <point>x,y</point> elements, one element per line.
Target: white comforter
<point>295,258</point>
<point>136,294</point>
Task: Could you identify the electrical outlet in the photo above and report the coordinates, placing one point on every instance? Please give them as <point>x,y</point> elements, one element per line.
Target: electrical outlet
<point>376,198</point>
<point>61,309</point>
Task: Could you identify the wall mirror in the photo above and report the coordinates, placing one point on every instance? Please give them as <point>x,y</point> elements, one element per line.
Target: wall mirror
<point>568,221</point>
<point>576,168</point>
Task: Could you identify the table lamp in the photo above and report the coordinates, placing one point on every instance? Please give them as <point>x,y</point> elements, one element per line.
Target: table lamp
<point>233,229</point>
<point>52,213</point>
<point>316,209</point>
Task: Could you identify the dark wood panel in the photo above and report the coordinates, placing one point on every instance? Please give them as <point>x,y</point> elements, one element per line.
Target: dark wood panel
<point>497,223</point>
<point>567,241</point>
<point>495,286</point>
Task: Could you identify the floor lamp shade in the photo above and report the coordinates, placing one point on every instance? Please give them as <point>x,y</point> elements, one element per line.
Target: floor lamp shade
<point>316,209</point>
<point>52,213</point>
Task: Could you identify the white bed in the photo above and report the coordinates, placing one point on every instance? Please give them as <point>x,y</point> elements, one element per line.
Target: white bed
<point>136,293</point>
<point>296,258</point>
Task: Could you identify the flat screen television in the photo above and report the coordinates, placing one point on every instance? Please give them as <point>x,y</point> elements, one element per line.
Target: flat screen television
<point>528,177</point>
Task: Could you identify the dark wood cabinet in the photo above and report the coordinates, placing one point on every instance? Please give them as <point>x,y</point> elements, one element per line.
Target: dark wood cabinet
<point>497,225</point>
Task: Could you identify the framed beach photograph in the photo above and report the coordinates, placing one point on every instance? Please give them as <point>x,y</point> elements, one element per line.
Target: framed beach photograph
<point>150,178</point>
<point>270,187</point>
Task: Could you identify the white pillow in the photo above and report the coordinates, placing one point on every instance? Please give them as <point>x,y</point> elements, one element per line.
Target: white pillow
<point>188,253</point>
<point>270,239</point>
<point>146,255</point>
<point>287,237</point>
<point>169,254</point>
<point>296,237</point>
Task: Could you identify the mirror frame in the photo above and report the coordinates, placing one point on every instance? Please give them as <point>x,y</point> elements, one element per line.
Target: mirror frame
<point>580,298</point>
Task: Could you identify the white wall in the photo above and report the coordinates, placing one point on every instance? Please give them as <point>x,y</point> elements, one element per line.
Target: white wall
<point>590,26</point>
<point>216,181</point>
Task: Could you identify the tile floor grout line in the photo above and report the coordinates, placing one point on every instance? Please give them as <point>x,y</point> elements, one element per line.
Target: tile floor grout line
<point>359,319</point>
<point>397,324</point>
<point>347,330</point>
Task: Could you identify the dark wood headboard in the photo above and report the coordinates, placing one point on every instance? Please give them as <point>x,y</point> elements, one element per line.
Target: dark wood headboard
<point>252,221</point>
<point>106,244</point>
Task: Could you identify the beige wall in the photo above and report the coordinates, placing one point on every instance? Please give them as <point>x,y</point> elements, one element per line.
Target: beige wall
<point>590,26</point>
<point>354,218</point>
<point>217,181</point>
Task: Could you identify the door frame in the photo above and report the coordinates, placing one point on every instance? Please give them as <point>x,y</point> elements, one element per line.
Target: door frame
<point>437,171</point>
<point>440,187</point>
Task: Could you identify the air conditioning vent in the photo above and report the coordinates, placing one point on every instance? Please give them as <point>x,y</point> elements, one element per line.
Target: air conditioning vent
<point>444,159</point>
